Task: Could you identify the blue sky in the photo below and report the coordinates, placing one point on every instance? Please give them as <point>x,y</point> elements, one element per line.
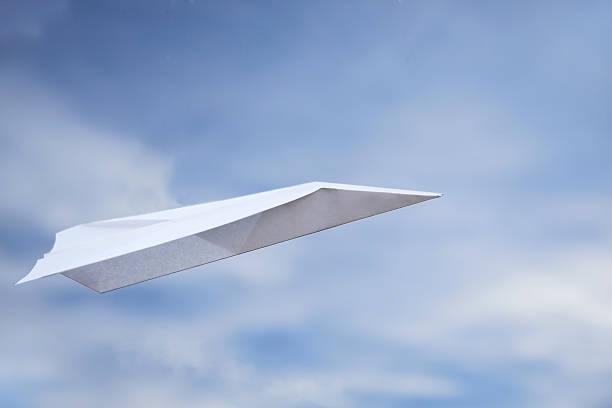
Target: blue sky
<point>498,294</point>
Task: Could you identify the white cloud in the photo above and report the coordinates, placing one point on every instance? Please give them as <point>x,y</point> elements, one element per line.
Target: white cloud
<point>333,389</point>
<point>450,130</point>
<point>482,300</point>
<point>549,309</point>
<point>60,170</point>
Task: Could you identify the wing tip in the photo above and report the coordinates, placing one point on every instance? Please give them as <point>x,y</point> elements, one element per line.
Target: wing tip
<point>23,280</point>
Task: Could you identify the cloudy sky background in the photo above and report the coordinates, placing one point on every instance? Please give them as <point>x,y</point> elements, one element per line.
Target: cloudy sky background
<point>498,294</point>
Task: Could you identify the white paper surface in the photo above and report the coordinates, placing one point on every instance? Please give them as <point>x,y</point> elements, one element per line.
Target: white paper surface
<point>107,255</point>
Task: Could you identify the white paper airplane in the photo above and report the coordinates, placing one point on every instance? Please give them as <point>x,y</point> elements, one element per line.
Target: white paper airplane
<point>111,254</point>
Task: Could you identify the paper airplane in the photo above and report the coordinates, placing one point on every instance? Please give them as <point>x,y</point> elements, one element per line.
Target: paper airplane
<point>111,254</point>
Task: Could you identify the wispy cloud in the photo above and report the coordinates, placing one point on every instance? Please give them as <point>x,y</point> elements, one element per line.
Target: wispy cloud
<point>61,170</point>
<point>495,295</point>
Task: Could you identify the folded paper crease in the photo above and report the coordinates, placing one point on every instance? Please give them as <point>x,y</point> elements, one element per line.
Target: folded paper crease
<point>111,254</point>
